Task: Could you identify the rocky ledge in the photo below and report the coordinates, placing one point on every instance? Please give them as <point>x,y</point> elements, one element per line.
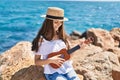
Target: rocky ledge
<point>98,61</point>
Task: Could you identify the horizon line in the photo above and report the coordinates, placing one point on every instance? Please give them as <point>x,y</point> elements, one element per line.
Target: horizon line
<point>74,0</point>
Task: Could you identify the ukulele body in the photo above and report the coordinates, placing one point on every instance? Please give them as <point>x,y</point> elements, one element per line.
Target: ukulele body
<point>63,54</point>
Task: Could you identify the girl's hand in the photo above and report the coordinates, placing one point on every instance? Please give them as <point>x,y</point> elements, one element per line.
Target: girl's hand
<point>56,60</point>
<point>84,43</point>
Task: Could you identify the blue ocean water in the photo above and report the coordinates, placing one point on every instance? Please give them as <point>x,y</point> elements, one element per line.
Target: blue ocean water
<point>20,20</point>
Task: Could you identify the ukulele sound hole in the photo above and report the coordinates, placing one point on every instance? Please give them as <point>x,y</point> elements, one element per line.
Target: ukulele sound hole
<point>61,56</point>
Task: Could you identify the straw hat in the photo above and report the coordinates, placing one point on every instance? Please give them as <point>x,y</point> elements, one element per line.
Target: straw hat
<point>55,13</point>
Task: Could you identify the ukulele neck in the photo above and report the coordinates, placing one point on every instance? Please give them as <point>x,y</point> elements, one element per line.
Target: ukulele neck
<point>73,49</point>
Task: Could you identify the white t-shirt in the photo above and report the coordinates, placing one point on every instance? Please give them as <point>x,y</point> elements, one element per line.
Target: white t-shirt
<point>48,47</point>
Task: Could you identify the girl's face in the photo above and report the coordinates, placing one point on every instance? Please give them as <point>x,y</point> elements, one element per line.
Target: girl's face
<point>57,24</point>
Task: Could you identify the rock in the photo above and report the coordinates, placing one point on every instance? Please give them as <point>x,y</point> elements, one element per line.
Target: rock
<point>101,37</point>
<point>18,57</point>
<point>33,72</point>
<point>95,64</point>
<point>75,35</point>
<point>116,75</point>
<point>115,32</point>
<point>116,51</point>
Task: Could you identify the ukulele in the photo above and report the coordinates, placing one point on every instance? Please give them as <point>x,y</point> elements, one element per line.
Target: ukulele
<point>65,54</point>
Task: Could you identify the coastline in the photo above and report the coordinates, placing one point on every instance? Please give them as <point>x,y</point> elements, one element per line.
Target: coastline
<point>100,60</point>
<point>18,20</point>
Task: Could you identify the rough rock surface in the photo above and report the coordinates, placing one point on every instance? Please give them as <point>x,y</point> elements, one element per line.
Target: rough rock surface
<point>18,57</point>
<point>102,38</point>
<point>115,33</point>
<point>92,63</point>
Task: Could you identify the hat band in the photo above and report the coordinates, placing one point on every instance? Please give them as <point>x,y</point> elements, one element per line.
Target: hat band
<point>54,17</point>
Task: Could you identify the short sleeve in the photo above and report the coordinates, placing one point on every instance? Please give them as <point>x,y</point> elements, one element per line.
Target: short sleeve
<point>35,53</point>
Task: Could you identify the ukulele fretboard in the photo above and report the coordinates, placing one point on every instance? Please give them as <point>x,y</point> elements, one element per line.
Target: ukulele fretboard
<point>73,49</point>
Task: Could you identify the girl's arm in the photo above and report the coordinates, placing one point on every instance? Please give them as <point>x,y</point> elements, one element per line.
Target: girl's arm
<point>39,61</point>
<point>56,60</point>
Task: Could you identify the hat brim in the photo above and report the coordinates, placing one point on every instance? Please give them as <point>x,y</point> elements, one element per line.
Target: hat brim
<point>64,19</point>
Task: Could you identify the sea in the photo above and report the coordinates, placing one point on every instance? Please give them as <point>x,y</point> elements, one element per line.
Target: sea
<point>20,20</point>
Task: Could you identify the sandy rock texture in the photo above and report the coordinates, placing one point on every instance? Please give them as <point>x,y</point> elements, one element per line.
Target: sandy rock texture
<point>98,61</point>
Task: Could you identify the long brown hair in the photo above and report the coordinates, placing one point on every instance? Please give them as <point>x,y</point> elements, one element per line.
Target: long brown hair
<point>48,32</point>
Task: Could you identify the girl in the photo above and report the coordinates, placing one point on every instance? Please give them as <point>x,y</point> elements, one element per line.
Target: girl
<point>52,38</point>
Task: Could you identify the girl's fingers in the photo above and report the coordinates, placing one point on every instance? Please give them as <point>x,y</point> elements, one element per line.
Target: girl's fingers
<point>61,59</point>
<point>56,57</point>
<point>59,62</point>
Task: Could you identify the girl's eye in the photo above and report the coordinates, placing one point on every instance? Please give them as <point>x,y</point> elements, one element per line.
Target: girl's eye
<point>56,22</point>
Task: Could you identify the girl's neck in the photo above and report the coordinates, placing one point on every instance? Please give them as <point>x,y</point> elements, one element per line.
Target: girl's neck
<point>57,32</point>
<point>55,37</point>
